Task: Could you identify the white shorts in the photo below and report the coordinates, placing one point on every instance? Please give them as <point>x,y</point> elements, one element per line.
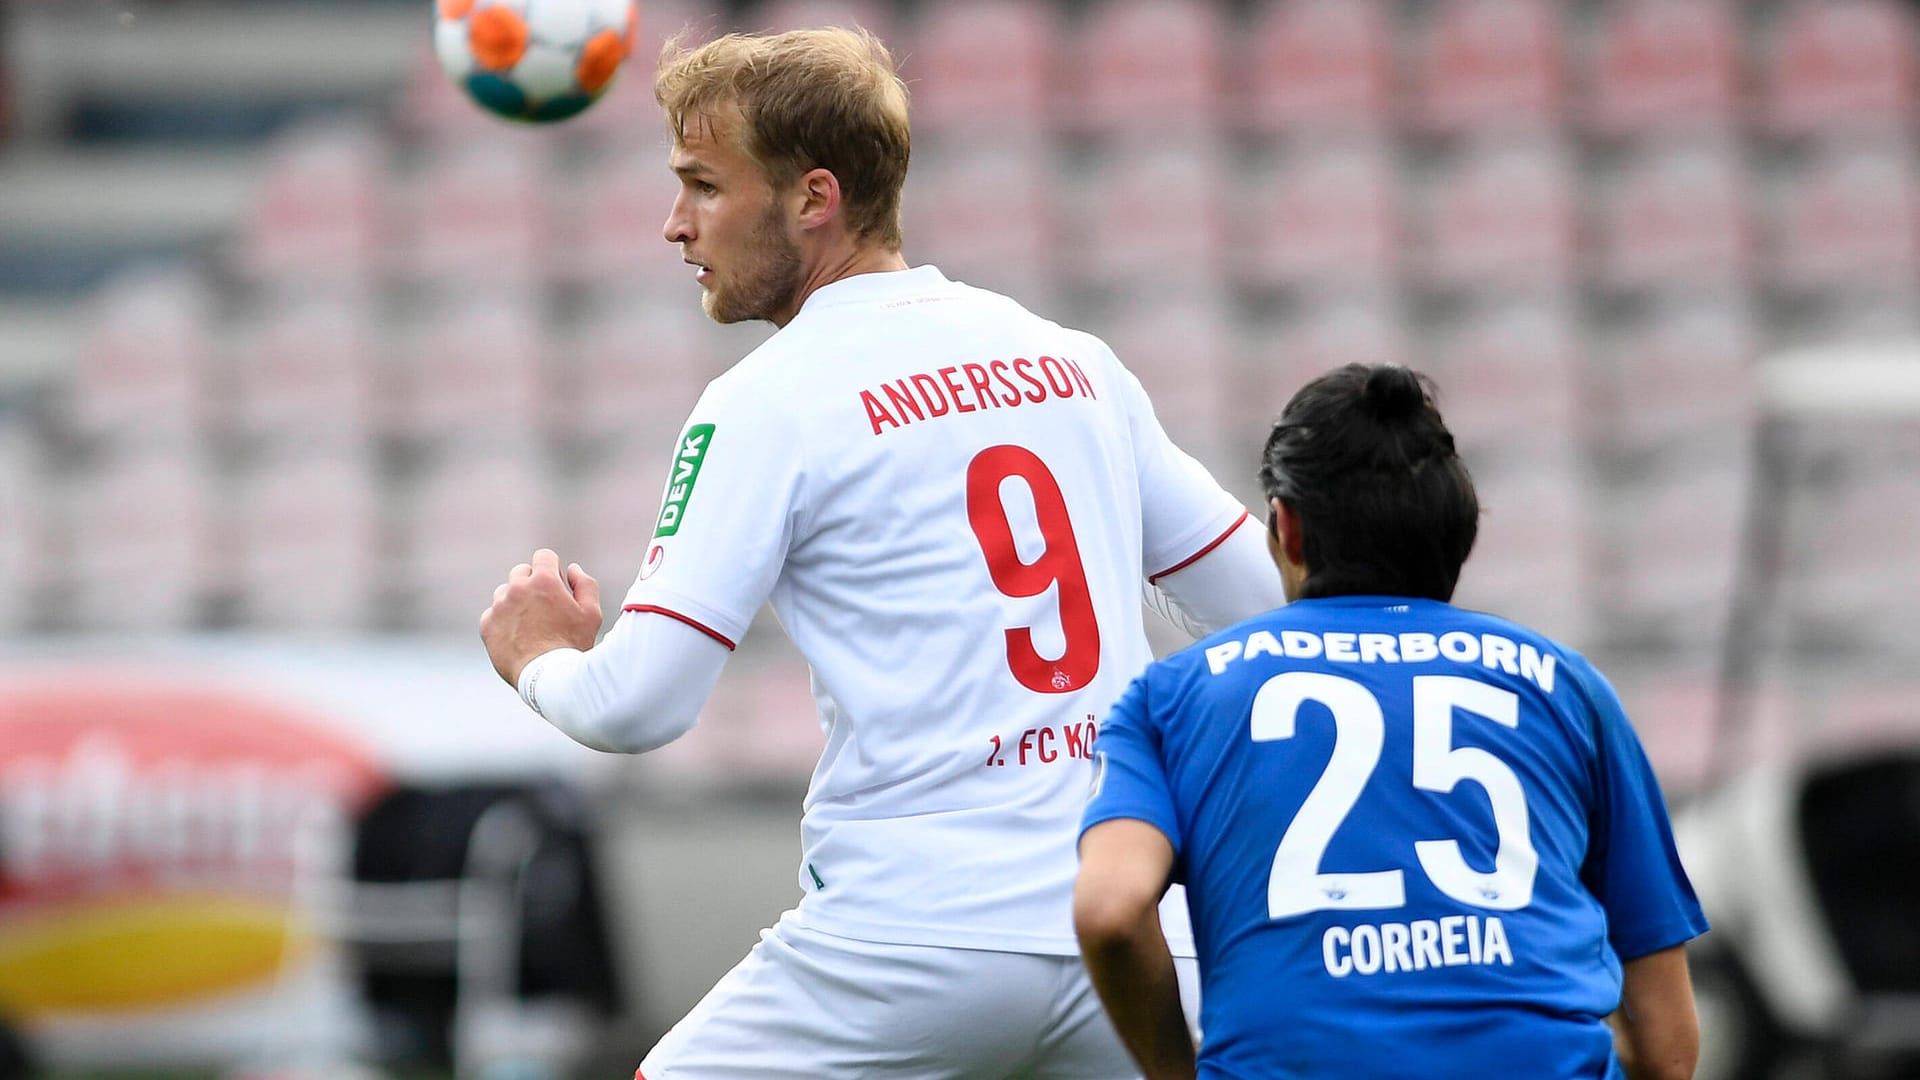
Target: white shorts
<point>804,1004</point>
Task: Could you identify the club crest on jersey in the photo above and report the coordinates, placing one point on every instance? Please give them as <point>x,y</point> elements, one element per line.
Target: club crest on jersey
<point>686,470</point>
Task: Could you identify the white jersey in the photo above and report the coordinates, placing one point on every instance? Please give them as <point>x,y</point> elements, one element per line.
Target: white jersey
<point>950,503</point>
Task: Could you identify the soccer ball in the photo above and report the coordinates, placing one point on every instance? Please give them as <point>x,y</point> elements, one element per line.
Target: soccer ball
<point>536,61</point>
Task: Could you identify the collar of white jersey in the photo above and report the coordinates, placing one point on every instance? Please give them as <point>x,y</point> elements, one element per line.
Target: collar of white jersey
<point>881,285</point>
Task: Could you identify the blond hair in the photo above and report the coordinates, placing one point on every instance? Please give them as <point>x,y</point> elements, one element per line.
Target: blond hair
<point>827,99</point>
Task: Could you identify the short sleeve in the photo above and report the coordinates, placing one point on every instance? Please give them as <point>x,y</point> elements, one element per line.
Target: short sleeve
<point>1633,866</point>
<point>1130,778</point>
<point>727,517</point>
<point>1183,510</point>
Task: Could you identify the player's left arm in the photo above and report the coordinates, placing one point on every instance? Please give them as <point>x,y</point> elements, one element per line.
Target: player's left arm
<point>1658,1030</point>
<point>1125,866</point>
<point>1229,582</point>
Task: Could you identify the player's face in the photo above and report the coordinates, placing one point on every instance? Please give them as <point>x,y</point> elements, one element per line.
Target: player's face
<point>733,228</point>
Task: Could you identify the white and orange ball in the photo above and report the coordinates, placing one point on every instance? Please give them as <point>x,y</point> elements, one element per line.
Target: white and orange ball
<point>534,60</point>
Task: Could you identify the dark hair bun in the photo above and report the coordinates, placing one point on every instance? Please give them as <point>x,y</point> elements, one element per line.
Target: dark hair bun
<point>1394,393</point>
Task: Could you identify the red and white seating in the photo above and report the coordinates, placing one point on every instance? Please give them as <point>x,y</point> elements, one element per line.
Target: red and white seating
<point>1670,542</point>
<point>637,369</point>
<point>467,519</point>
<point>1841,64</point>
<point>309,543</point>
<point>476,211</point>
<point>1147,66</point>
<point>477,370</point>
<point>311,370</point>
<point>984,210</point>
<point>1851,217</point>
<point>1185,352</point>
<point>1154,211</point>
<point>1489,64</point>
<point>1677,217</point>
<point>1529,560</point>
<point>320,211</point>
<point>143,549</point>
<point>1509,379</point>
<point>1665,65</point>
<point>1326,216</point>
<point>1318,64</point>
<point>610,226</point>
<point>143,369</point>
<point>1680,375</point>
<point>983,67</point>
<point>1502,214</point>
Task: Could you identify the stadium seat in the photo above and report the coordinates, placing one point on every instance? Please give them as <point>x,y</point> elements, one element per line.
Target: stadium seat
<point>609,225</point>
<point>983,209</point>
<point>1677,217</point>
<point>1184,349</point>
<point>1327,215</point>
<point>1316,335</point>
<point>143,552</point>
<point>1154,211</point>
<point>1501,214</point>
<point>982,67</point>
<point>467,518</point>
<point>476,211</point>
<point>1661,65</point>
<point>1851,217</point>
<point>308,537</point>
<point>1317,64</point>
<point>476,369</point>
<point>1840,64</point>
<point>319,213</point>
<point>1679,373</point>
<point>1529,560</point>
<point>1148,66</point>
<point>143,368</point>
<point>310,370</point>
<point>1488,64</point>
<point>1509,374</point>
<point>1668,544</point>
<point>636,369</point>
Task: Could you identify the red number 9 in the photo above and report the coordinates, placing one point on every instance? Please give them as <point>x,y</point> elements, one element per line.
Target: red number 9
<point>1058,563</point>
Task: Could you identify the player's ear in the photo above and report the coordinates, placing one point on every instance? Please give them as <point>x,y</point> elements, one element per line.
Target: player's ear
<point>820,198</point>
<point>1284,534</point>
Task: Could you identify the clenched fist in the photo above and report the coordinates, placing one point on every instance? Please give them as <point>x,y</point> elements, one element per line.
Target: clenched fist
<point>539,608</point>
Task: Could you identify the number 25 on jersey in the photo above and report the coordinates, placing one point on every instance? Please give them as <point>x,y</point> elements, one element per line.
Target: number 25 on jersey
<point>1297,884</point>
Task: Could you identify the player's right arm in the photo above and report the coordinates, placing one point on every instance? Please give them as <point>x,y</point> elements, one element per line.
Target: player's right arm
<point>641,687</point>
<point>1124,868</point>
<point>1659,1034</point>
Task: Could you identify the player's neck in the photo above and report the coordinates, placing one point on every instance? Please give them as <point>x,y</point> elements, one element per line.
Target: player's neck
<point>843,262</point>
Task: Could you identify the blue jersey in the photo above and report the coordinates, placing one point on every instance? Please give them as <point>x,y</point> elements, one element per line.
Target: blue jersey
<point>1416,840</point>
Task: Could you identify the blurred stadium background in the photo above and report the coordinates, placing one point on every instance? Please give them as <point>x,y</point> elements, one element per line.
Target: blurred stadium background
<point>299,351</point>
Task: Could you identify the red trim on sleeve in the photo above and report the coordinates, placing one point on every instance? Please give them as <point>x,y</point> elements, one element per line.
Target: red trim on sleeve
<point>700,626</point>
<point>1198,555</point>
